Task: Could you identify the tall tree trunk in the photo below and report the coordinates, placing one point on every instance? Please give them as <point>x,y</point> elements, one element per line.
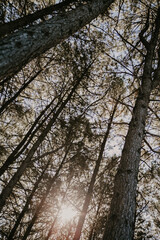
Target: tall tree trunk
<point>50,184</point>
<point>27,138</point>
<point>9,101</point>
<point>22,46</point>
<point>23,87</point>
<point>7,190</point>
<point>9,27</point>
<point>121,221</point>
<point>58,210</point>
<point>21,215</point>
<point>92,231</point>
<point>93,179</point>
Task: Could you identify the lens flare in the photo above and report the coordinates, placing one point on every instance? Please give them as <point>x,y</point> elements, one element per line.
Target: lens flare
<point>67,213</point>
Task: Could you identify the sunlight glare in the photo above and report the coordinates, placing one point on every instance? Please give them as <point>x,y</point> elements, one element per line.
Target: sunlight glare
<point>67,213</point>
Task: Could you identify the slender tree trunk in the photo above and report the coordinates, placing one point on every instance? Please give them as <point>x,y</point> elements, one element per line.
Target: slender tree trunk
<point>21,215</point>
<point>58,210</point>
<point>121,221</point>
<point>92,231</point>
<point>33,130</point>
<point>9,101</point>
<point>27,139</point>
<point>22,46</point>
<point>24,86</point>
<point>50,184</point>
<point>7,190</point>
<point>93,179</point>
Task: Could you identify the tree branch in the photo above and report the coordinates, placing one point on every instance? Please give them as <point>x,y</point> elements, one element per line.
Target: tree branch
<point>151,147</point>
<point>141,34</point>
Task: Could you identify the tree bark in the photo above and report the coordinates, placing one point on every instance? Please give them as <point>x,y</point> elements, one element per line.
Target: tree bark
<point>93,179</point>
<point>121,221</point>
<point>11,26</point>
<point>22,46</point>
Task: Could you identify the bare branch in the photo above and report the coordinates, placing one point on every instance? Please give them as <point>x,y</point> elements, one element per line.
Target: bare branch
<point>141,34</point>
<point>151,147</point>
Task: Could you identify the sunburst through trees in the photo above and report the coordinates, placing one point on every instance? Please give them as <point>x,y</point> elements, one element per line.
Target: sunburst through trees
<point>80,120</point>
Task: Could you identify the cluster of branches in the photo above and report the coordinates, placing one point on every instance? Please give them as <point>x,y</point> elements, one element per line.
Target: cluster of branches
<point>63,109</point>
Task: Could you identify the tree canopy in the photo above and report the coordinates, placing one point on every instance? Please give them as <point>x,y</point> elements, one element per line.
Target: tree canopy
<point>80,119</point>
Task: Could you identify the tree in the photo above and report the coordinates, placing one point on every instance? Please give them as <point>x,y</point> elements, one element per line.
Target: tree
<point>6,192</point>
<point>121,221</point>
<point>93,179</point>
<point>9,27</point>
<point>21,215</point>
<point>25,45</point>
<point>40,205</point>
<point>54,118</point>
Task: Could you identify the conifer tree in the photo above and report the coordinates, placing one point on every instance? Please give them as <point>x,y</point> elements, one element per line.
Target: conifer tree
<point>19,48</point>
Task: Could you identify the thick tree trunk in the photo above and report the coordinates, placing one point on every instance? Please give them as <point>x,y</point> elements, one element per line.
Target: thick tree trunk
<point>11,26</point>
<point>121,220</point>
<point>24,45</point>
<point>93,179</point>
<point>120,224</point>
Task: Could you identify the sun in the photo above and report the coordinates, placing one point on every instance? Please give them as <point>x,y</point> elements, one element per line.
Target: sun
<point>67,213</point>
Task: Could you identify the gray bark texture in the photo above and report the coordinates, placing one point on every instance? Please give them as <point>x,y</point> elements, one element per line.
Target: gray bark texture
<point>121,221</point>
<point>22,46</point>
<point>11,26</point>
